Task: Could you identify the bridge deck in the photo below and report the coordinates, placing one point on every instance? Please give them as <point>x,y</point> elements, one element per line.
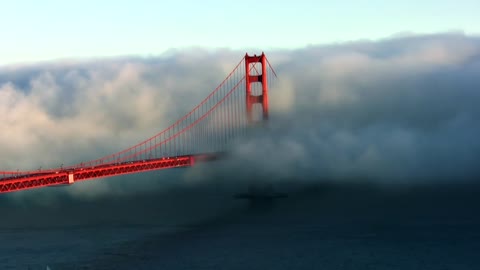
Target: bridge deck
<point>69,176</point>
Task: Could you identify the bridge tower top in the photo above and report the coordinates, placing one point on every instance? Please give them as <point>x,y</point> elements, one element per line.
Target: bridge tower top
<point>256,77</point>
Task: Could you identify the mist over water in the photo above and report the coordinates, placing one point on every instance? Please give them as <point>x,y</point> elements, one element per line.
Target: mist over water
<point>363,135</point>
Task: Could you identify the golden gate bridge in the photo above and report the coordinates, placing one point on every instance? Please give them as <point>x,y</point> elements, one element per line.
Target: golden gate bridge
<point>203,134</point>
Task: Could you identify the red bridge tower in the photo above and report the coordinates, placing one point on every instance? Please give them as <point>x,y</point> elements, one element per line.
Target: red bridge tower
<point>253,75</point>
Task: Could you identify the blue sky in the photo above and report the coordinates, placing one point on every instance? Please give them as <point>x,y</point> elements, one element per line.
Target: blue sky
<point>52,29</point>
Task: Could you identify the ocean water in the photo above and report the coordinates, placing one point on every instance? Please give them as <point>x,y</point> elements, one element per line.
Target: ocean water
<point>315,228</point>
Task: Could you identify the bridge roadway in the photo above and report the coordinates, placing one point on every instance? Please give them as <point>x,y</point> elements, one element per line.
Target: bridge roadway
<point>69,176</point>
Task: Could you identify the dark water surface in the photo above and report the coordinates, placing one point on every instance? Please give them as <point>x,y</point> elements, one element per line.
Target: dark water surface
<point>316,228</point>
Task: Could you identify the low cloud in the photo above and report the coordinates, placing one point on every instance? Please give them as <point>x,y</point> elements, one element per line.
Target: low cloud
<point>395,111</point>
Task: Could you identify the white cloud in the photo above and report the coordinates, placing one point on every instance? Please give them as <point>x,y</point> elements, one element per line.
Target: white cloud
<point>397,110</point>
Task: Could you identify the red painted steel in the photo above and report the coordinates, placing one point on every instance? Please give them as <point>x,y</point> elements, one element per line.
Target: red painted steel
<point>257,77</point>
<point>200,135</point>
<point>61,177</point>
